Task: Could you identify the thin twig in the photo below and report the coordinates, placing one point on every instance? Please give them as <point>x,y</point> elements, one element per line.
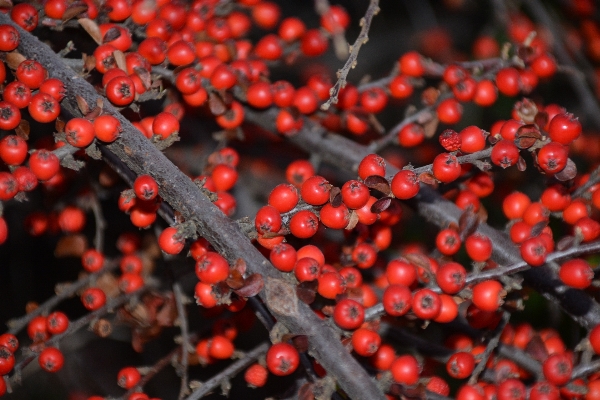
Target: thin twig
<point>183,325</point>
<point>66,292</point>
<point>229,372</point>
<point>362,38</point>
<point>491,346</point>
<point>587,98</point>
<point>74,326</point>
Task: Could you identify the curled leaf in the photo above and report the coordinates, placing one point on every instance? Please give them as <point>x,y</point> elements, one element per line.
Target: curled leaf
<point>252,286</point>
<point>381,205</point>
<point>568,173</point>
<point>521,164</point>
<point>335,196</point>
<point>120,59</point>
<point>427,178</point>
<point>216,104</point>
<point>91,27</point>
<point>23,129</point>
<point>235,280</point>
<point>74,11</point>
<point>566,242</point>
<point>240,265</point>
<point>527,135</point>
<point>541,118</point>
<point>82,104</point>
<point>352,220</point>
<point>111,34</point>
<point>378,183</point>
<point>307,291</point>
<point>13,59</point>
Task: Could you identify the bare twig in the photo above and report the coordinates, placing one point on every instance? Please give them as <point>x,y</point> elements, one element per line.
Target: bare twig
<point>74,326</point>
<point>183,325</point>
<point>229,372</point>
<point>588,101</point>
<point>342,74</point>
<point>491,346</point>
<point>66,291</point>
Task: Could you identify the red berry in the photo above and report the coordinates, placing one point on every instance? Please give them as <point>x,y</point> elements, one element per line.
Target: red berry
<point>282,359</point>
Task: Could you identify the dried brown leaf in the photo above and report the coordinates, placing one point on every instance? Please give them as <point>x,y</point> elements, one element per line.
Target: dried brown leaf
<point>430,127</point>
<point>468,222</point>
<point>216,104</point>
<point>352,220</point>
<point>307,292</point>
<point>235,280</point>
<point>335,197</point>
<point>70,246</point>
<point>521,164</point>
<point>74,11</point>
<point>427,178</point>
<point>300,342</point>
<point>568,173</point>
<point>537,229</point>
<point>527,135</point>
<point>13,59</point>
<point>120,60</point>
<point>252,286</point>
<point>82,104</point>
<point>111,34</point>
<point>92,28</point>
<point>536,349</point>
<point>566,242</point>
<point>381,205</point>
<point>240,265</point>
<point>306,392</point>
<point>23,129</point>
<point>378,183</point>
<point>541,118</point>
<point>96,111</point>
<point>144,76</point>
<point>59,125</point>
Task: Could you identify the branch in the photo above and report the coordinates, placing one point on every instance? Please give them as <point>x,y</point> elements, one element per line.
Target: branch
<point>230,371</point>
<point>141,156</point>
<point>362,38</point>
<point>346,154</point>
<point>74,326</point>
<point>587,97</point>
<point>66,292</point>
<point>183,325</point>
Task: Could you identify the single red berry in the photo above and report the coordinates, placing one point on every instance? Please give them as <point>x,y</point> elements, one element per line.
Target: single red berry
<point>51,359</point>
<point>145,187</point>
<point>405,370</point>
<point>405,184</point>
<point>460,365</point>
<point>371,165</point>
<point>256,375</point>
<point>365,342</point>
<point>446,167</point>
<point>349,314</point>
<point>170,241</point>
<point>282,359</point>
<point>564,128</point>
<point>426,304</point>
<point>397,300</point>
<point>451,277</point>
<point>212,268</point>
<point>56,323</point>
<point>488,295</point>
